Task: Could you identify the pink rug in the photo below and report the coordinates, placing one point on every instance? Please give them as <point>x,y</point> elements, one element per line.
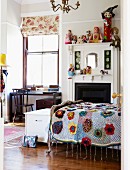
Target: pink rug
<point>12,132</point>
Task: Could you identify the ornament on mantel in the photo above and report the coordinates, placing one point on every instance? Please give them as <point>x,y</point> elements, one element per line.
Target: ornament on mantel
<point>107,16</point>
<point>71,72</point>
<point>116,42</point>
<point>103,72</point>
<point>74,39</point>
<point>68,37</point>
<point>96,37</point>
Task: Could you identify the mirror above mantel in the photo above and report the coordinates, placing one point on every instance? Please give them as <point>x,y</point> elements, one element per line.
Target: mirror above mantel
<point>92,60</point>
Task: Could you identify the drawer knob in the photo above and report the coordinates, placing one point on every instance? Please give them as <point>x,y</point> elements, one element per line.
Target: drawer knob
<point>38,120</point>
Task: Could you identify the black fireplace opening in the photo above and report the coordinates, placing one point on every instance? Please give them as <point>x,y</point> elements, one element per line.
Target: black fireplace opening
<point>93,92</point>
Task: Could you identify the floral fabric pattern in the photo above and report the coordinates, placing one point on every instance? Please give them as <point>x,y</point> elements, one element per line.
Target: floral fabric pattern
<point>88,124</point>
<point>98,133</point>
<point>86,141</point>
<point>40,25</point>
<point>57,127</point>
<point>72,128</point>
<point>70,115</point>
<point>59,113</point>
<point>83,113</point>
<point>109,128</point>
<point>107,113</point>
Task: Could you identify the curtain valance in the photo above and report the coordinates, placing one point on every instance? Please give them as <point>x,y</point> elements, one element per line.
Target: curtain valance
<point>40,25</point>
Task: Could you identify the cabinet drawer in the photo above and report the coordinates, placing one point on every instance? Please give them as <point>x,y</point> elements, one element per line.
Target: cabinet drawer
<point>44,103</point>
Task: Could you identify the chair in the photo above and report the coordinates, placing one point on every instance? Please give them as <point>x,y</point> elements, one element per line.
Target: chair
<point>21,102</point>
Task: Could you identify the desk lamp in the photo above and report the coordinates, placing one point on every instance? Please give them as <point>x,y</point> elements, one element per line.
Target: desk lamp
<point>2,64</point>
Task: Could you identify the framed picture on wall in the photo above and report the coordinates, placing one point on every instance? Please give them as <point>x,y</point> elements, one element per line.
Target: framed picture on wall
<point>107,59</point>
<point>77,60</point>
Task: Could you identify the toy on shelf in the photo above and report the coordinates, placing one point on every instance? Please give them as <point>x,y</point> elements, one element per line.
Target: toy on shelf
<point>74,39</point>
<point>84,38</point>
<point>88,70</point>
<point>116,42</point>
<point>89,34</point>
<point>107,16</point>
<point>96,37</point>
<point>68,37</point>
<point>71,71</point>
<point>79,40</point>
<point>103,72</point>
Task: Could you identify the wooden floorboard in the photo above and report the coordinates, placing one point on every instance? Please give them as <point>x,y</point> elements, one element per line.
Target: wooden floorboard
<point>20,158</point>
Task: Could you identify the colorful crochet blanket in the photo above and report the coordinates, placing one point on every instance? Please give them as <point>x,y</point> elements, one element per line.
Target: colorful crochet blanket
<point>88,123</point>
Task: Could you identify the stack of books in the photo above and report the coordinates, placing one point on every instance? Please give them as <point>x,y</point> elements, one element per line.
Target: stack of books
<point>53,88</point>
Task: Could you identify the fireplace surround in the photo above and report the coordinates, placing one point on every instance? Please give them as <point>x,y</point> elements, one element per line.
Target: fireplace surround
<point>93,92</point>
<point>94,87</point>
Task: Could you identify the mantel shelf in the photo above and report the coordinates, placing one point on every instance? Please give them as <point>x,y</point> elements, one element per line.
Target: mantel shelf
<point>92,75</point>
<point>88,44</point>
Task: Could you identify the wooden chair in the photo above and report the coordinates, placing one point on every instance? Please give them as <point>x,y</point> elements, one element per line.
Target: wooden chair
<point>21,102</point>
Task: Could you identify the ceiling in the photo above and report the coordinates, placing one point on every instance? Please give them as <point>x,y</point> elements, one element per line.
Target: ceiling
<point>30,1</point>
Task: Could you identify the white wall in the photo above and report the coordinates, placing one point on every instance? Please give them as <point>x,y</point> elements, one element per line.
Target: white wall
<point>1,119</point>
<point>85,18</point>
<point>12,46</point>
<point>79,21</point>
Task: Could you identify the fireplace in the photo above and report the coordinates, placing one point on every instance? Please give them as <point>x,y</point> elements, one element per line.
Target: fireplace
<point>93,92</point>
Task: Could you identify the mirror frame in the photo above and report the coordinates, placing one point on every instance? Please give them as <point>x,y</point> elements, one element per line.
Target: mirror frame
<point>96,59</point>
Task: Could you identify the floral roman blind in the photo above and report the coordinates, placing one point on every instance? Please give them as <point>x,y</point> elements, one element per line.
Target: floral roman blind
<point>40,25</point>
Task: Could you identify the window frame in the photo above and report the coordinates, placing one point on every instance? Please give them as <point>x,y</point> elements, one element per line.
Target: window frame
<point>25,53</point>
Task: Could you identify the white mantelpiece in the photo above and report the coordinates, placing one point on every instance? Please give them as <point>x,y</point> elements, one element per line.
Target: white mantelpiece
<point>96,76</point>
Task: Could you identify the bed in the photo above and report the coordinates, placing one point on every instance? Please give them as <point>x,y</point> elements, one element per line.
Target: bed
<point>85,123</point>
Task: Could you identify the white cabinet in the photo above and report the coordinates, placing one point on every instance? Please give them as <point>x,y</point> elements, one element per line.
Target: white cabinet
<point>37,123</point>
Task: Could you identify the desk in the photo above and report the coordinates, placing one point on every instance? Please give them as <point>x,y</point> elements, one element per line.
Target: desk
<point>54,95</point>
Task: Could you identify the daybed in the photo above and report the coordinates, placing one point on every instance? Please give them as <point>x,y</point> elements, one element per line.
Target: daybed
<point>85,123</point>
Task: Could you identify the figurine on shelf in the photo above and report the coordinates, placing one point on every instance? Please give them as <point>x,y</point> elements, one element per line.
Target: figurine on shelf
<point>84,71</point>
<point>103,72</point>
<point>74,39</point>
<point>68,37</point>
<point>88,35</point>
<point>88,70</point>
<point>79,40</point>
<point>81,71</point>
<point>84,38</point>
<point>107,16</point>
<point>116,42</point>
<point>71,71</point>
<point>96,37</point>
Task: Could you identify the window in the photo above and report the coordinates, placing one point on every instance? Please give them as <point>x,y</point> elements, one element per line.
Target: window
<point>42,60</point>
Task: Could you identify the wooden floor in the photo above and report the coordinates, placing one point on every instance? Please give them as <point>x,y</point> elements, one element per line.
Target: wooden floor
<point>19,158</point>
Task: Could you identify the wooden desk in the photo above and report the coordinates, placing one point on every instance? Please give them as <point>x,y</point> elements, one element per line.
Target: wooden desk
<point>54,96</point>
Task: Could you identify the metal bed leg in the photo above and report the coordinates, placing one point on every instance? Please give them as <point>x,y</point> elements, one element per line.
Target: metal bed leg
<point>67,150</point>
<point>95,154</point>
<point>77,151</point>
<point>90,152</point>
<point>101,153</point>
<point>49,142</point>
